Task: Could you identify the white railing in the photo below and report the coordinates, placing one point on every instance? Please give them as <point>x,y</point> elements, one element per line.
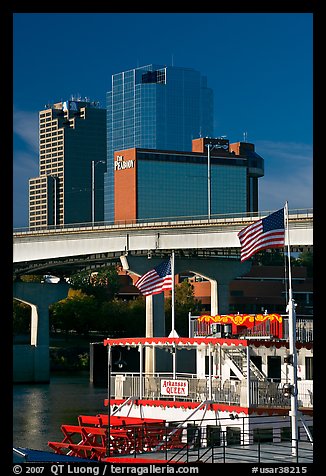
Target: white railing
<point>222,219</point>
<point>232,392</point>
<point>304,329</point>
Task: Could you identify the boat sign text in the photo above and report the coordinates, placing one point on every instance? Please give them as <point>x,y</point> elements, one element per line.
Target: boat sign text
<point>174,387</point>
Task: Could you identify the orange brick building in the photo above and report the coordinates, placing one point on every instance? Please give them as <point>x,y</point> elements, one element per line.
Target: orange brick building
<point>159,184</point>
<point>263,288</point>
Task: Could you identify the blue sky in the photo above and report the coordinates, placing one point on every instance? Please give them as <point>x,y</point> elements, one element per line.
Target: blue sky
<point>259,65</point>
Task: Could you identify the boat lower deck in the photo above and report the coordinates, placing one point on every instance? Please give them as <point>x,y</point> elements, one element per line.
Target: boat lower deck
<point>251,439</point>
<point>276,453</point>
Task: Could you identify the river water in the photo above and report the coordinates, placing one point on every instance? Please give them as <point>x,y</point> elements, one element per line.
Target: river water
<point>39,410</point>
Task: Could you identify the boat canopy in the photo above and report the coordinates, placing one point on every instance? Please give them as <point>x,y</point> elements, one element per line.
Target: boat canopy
<point>197,342</point>
<point>179,342</point>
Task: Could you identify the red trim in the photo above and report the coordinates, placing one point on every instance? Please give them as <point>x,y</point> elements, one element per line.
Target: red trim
<point>279,344</point>
<point>277,411</point>
<point>176,404</point>
<point>195,341</point>
<point>240,321</point>
<point>211,406</point>
<point>135,341</point>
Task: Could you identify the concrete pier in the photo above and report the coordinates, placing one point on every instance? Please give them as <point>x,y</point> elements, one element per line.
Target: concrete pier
<point>31,362</point>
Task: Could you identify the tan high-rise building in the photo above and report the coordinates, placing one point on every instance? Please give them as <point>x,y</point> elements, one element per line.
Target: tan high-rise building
<point>72,161</point>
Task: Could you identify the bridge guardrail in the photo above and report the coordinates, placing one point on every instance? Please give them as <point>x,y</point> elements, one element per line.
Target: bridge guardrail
<point>223,219</point>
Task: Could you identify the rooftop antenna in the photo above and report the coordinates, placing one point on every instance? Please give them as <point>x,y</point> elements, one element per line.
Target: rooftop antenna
<point>245,136</point>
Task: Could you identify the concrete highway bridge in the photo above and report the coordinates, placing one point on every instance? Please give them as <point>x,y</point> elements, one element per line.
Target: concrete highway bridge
<point>209,248</point>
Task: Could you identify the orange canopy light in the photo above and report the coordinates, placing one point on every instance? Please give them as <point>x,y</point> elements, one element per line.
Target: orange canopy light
<point>239,319</point>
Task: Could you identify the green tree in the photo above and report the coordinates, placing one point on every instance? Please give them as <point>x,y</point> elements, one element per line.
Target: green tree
<point>123,318</point>
<point>77,313</point>
<point>112,317</point>
<point>270,257</point>
<point>103,283</point>
<point>305,259</point>
<point>137,317</point>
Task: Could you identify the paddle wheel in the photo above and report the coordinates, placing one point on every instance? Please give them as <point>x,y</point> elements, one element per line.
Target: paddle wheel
<point>128,435</point>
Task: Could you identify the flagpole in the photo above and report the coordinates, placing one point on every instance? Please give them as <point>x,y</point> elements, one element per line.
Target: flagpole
<point>173,331</point>
<point>173,295</point>
<point>292,346</point>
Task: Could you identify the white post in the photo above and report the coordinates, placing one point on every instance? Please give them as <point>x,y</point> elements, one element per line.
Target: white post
<point>173,332</point>
<point>292,348</point>
<point>209,372</point>
<point>140,350</point>
<point>149,332</point>
<point>214,297</point>
<point>248,377</point>
<point>174,355</point>
<point>190,333</point>
<point>93,192</point>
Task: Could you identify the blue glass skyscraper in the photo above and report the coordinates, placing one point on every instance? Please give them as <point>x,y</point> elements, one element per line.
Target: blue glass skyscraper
<point>155,107</point>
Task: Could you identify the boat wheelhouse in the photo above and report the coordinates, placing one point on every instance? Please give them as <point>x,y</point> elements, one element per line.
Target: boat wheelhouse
<point>237,394</point>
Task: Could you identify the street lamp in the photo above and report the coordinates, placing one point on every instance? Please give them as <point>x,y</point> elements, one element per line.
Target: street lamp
<point>94,164</point>
<point>209,182</point>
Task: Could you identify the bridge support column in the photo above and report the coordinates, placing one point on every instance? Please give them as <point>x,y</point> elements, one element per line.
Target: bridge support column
<point>222,299</point>
<point>220,272</point>
<point>154,327</point>
<point>149,332</point>
<point>31,363</point>
<point>214,297</point>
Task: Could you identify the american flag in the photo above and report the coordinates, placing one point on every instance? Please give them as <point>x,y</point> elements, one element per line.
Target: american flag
<point>269,232</point>
<point>156,280</point>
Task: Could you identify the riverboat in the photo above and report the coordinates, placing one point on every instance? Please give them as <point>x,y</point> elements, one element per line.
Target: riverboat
<point>235,406</point>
